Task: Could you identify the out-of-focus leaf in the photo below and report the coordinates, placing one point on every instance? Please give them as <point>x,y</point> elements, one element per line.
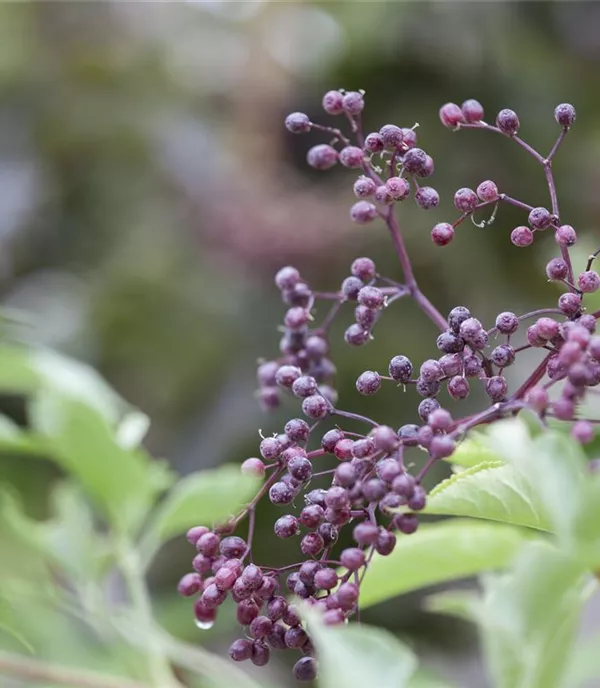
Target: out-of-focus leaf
<point>14,439</point>
<point>458,603</point>
<point>495,492</point>
<point>356,655</point>
<point>68,539</point>
<point>529,616</point>
<point>440,552</point>
<point>124,483</point>
<point>206,497</point>
<point>132,429</point>
<point>473,451</point>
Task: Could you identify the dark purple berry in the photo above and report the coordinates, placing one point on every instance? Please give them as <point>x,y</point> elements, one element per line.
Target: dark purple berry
<point>260,627</point>
<point>305,669</point>
<point>240,650</point>
<point>364,187</point>
<point>385,439</point>
<point>408,434</point>
<point>540,218</point>
<point>322,156</point>
<point>287,278</point>
<point>418,499</point>
<point>427,198</point>
<point>456,318</point>
<point>296,318</point>
<point>564,114</point>
<point>276,637</point>
<point>503,355</point>
<point>431,370</point>
<point>300,468</point>
<point>208,544</point>
<point>385,544</point>
<point>459,388</point>
<point>260,654</point>
<point>368,383</point>
<point>350,288</point>
<point>316,407</point>
<point>450,343</point>
<point>286,375</point>
<point>343,449</point>
<point>304,386</point>
<point>311,544</point>
<point>347,595</point>
<point>371,297</point>
<point>356,335</point>
<point>295,637</point>
<point>507,323</point>
<point>329,533</point>
<point>374,489</point>
<point>496,388</point>
<point>365,317</point>
<point>415,161</point>
<point>427,407</point>
<point>297,123</point>
<point>451,364</point>
<point>382,195</point>
<point>325,579</point>
<point>363,448</point>
<point>441,446</point>
<point>281,493</point>
<point>286,526</point>
<point>297,430</point>
<point>252,577</point>
<point>508,122</point>
<point>392,137</point>
<point>440,419</point>
<point>225,578</point>
<point>212,597</point>
<point>406,523</point>
<point>345,475</point>
<point>195,533</point>
<point>400,369</point>
<point>374,142</point>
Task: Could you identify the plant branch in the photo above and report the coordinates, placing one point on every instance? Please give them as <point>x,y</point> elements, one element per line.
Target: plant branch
<point>35,670</point>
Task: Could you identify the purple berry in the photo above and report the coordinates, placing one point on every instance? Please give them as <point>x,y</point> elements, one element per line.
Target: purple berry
<point>472,111</point>
<point>565,235</point>
<point>297,123</point>
<point>588,282</point>
<point>253,467</point>
<point>363,212</point>
<point>363,268</point>
<point>538,398</point>
<point>508,122</point>
<point>564,114</point>
<point>521,236</point>
<point>431,370</point>
<point>189,585</point>
<point>382,195</point>
<point>208,544</point>
<point>287,278</point>
<point>440,419</point>
<point>304,386</point>
<point>305,669</point>
<point>374,142</point>
<point>260,654</point>
<point>297,430</point>
<point>440,447</point>
<point>450,343</point>
<point>353,102</point>
<point>507,323</point>
<point>343,449</point>
<point>415,161</point>
<point>385,544</point>
<point>442,234</point>
<point>322,156</point>
<point>260,627</point>
<point>347,596</point>
<point>418,499</point>
<point>392,137</point>
<point>458,387</point>
<point>350,288</point>
<point>325,579</point>
<point>316,407</point>
<point>427,407</point>
<point>285,377</point>
<point>385,439</point>
<point>281,493</point>
<point>406,523</point>
<point>400,369</point>
<point>300,468</point>
<point>356,335</point>
<point>368,383</point>
<point>583,431</point>
<point>364,187</point>
<point>195,533</point>
<point>503,355</point>
<point>240,650</point>
<point>409,434</point>
<point>540,218</point>
<point>427,198</point>
<point>487,191</point>
<point>397,187</point>
<point>333,103</point>
<point>496,388</point>
<point>465,200</point>
<point>569,303</point>
<point>365,534</point>
<point>371,297</point>
<point>351,156</point>
<point>311,544</point>
<point>352,558</point>
<point>286,526</point>
<point>451,115</point>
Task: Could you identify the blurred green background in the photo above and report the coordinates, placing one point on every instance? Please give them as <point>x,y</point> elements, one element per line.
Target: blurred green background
<point>149,191</point>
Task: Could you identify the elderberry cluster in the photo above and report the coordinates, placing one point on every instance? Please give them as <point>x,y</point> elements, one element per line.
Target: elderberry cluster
<point>372,489</point>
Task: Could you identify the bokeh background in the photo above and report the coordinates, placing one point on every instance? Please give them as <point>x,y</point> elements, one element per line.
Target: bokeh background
<point>148,192</point>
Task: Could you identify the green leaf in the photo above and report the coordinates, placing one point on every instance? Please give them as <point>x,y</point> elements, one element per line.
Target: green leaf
<point>356,655</point>
<point>529,618</point>
<point>492,491</point>
<point>458,603</point>
<point>15,440</point>
<point>440,552</point>
<point>584,665</point>
<point>68,539</point>
<point>425,679</point>
<point>123,483</point>
<point>474,450</point>
<point>202,498</point>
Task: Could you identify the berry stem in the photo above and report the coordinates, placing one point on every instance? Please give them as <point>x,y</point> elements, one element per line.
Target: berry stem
<point>533,379</point>
<point>354,416</point>
<point>531,314</point>
<point>557,144</point>
<point>515,202</point>
<point>564,250</point>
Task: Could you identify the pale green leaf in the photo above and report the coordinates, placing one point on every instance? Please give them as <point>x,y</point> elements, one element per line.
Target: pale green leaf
<point>202,498</point>
<point>15,440</point>
<point>355,656</point>
<point>458,603</point>
<point>440,552</point>
<point>124,484</point>
<point>529,616</point>
<point>472,451</point>
<point>493,491</point>
<point>132,429</point>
